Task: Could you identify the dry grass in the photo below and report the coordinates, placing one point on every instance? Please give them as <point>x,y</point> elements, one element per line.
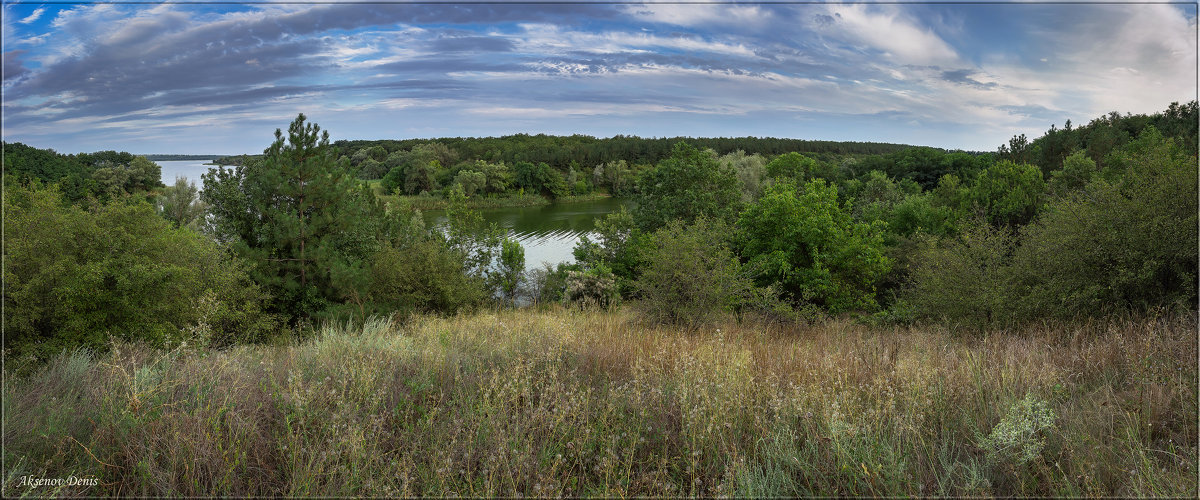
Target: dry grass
<point>563,402</point>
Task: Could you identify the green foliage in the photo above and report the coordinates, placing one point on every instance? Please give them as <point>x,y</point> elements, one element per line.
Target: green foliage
<point>1126,245</point>
<point>751,172</point>
<point>968,279</point>
<point>792,166</point>
<point>803,239</point>
<point>470,181</point>
<point>511,268</point>
<point>688,185</point>
<point>393,182</point>
<point>593,287</point>
<point>1009,193</point>
<point>619,245</point>
<point>306,225</point>
<point>422,276</point>
<point>690,274</point>
<point>420,176</point>
<point>76,278</point>
<point>1077,170</point>
<point>180,203</point>
<point>372,169</point>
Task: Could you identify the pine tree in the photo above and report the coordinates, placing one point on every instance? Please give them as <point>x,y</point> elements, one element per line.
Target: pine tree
<point>301,218</point>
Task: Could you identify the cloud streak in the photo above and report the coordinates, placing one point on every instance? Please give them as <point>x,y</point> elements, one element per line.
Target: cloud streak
<point>194,77</point>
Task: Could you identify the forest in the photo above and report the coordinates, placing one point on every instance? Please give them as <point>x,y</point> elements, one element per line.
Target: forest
<point>771,317</point>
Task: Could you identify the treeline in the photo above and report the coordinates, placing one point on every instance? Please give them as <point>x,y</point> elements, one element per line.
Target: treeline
<point>991,240</point>
<point>171,157</point>
<point>98,176</point>
<point>295,237</point>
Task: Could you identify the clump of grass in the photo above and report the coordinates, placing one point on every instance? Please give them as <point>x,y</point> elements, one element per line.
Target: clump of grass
<point>594,403</point>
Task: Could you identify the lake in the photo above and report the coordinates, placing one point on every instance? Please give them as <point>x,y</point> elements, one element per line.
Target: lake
<point>188,169</point>
<point>548,232</point>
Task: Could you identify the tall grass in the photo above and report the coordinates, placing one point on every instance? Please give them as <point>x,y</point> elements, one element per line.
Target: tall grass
<point>580,403</point>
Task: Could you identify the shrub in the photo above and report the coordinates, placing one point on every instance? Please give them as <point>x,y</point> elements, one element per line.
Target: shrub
<point>594,287</point>
<point>75,278</point>
<point>1123,245</point>
<point>967,279</point>
<point>1019,437</point>
<point>690,274</point>
<point>803,239</point>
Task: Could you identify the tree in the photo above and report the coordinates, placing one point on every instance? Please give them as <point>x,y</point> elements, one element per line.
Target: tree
<point>512,265</point>
<point>792,166</point>
<point>691,275</point>
<point>1124,245</point>
<point>688,185</point>
<point>1009,193</point>
<point>801,238</point>
<point>180,204</point>
<point>306,225</point>
<point>76,278</point>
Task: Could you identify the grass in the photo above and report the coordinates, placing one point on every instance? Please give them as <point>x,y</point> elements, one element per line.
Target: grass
<point>582,403</point>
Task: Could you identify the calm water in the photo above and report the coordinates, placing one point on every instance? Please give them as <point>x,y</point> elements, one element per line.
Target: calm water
<point>549,232</point>
<point>188,169</point>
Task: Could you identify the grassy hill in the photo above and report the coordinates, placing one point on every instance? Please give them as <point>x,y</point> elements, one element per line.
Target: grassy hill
<point>564,402</point>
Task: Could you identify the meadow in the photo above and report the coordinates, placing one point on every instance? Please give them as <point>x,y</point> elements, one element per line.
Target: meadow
<point>559,401</point>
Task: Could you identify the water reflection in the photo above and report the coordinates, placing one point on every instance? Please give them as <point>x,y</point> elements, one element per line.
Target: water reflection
<point>548,232</point>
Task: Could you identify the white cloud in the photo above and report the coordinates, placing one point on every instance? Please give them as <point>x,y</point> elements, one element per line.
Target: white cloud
<point>37,14</point>
<point>901,40</point>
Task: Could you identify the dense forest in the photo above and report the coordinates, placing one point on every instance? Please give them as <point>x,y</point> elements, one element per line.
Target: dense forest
<point>1087,225</point>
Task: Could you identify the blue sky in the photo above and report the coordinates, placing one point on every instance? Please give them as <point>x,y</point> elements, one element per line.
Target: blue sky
<point>177,78</point>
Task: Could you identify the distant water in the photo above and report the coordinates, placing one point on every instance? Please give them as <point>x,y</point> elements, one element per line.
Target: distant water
<point>548,233</point>
<point>188,169</point>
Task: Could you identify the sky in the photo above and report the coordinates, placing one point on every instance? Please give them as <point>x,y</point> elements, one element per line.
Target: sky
<point>220,78</point>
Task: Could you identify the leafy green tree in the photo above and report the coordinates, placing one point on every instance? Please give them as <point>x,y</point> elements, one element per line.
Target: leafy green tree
<point>1009,193</point>
<point>511,268</point>
<point>420,176</point>
<point>801,238</point>
<point>306,225</point>
<point>393,182</point>
<point>1117,246</point>
<point>76,278</point>
<point>619,245</point>
<point>691,276</point>
<point>1077,170</point>
<point>180,203</point>
<point>792,166</point>
<point>688,185</point>
<point>751,171</point>
<point>470,182</point>
<point>968,279</point>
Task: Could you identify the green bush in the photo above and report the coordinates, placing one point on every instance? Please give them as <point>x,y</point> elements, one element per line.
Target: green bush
<point>1129,244</point>
<point>75,278</point>
<point>968,279</point>
<point>691,275</point>
<point>801,238</point>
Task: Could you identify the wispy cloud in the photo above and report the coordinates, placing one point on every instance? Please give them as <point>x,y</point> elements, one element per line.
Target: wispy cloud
<point>955,76</point>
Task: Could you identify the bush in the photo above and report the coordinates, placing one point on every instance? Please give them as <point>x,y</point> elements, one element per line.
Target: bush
<point>1129,244</point>
<point>595,287</point>
<point>967,279</point>
<point>76,279</point>
<point>803,239</point>
<point>690,274</point>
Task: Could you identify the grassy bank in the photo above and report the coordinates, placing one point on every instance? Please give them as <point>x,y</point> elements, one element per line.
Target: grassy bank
<point>591,403</point>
